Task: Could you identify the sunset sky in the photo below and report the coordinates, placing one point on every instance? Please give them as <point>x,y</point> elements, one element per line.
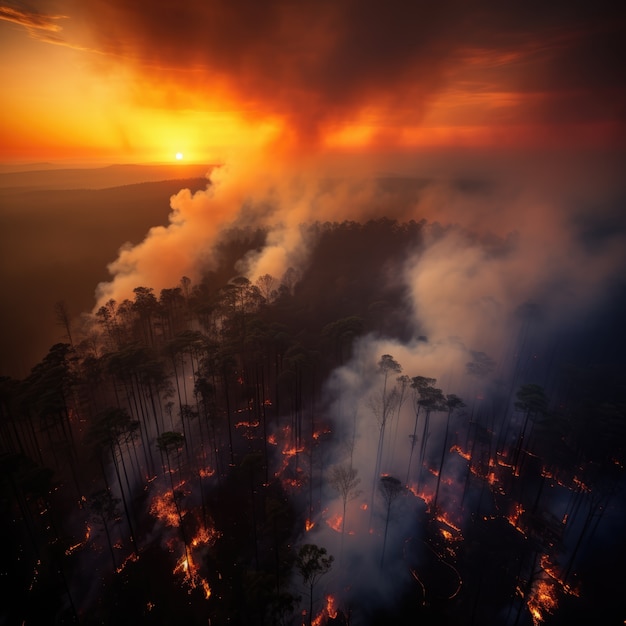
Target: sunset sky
<point>117,81</point>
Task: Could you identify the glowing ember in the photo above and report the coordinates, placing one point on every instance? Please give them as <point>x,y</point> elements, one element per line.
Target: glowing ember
<point>130,559</point>
<point>80,543</point>
<point>206,472</point>
<point>308,525</point>
<point>164,509</point>
<point>363,506</point>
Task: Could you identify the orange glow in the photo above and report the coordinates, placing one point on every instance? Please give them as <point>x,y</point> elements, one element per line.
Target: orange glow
<point>542,600</point>
<point>308,525</point>
<point>101,82</point>
<point>164,509</point>
<point>335,522</point>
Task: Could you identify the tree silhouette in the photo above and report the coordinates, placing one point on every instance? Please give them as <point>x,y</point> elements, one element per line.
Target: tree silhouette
<point>382,405</point>
<point>390,488</point>
<point>452,402</point>
<point>103,507</point>
<point>344,480</point>
<point>532,400</point>
<point>312,563</point>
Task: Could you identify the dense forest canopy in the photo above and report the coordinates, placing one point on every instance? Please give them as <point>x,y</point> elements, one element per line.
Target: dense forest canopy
<point>302,449</point>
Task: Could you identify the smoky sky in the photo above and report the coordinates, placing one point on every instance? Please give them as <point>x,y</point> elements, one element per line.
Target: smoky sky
<point>323,61</point>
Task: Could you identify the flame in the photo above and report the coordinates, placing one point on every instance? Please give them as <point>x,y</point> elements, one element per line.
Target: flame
<point>164,509</point>
<point>80,544</point>
<point>466,455</point>
<point>552,572</point>
<point>250,424</point>
<point>324,431</point>
<point>189,569</point>
<point>206,472</point>
<point>426,497</point>
<point>129,559</point>
<point>514,518</point>
<point>363,506</point>
<point>331,610</point>
<point>335,522</point>
<point>328,612</point>
<point>308,525</point>
<point>541,600</point>
<point>444,519</point>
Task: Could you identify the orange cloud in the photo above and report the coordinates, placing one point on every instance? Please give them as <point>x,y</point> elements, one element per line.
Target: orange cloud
<point>328,67</point>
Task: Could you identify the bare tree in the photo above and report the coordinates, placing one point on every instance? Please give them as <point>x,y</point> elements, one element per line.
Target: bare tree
<point>452,402</point>
<point>103,507</point>
<point>390,488</point>
<point>62,316</point>
<point>382,405</point>
<point>344,480</point>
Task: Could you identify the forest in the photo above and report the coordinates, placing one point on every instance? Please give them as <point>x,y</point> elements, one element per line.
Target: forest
<point>294,450</point>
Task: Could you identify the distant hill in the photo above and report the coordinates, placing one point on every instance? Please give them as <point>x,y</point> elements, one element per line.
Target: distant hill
<point>40,176</point>
<point>55,245</point>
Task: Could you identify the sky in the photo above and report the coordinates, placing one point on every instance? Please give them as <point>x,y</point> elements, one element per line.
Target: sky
<point>116,81</point>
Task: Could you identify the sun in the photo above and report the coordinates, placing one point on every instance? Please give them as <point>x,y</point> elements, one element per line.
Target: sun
<point>179,156</point>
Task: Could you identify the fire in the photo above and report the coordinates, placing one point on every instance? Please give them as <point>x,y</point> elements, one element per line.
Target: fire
<point>80,544</point>
<point>164,509</point>
<point>466,455</point>
<point>514,518</point>
<point>541,600</point>
<point>308,525</point>
<point>552,572</point>
<point>363,506</point>
<point>206,472</point>
<point>328,612</point>
<point>426,497</point>
<point>318,433</point>
<point>129,559</point>
<point>444,519</point>
<point>330,607</point>
<point>203,537</point>
<point>189,569</point>
<point>335,522</point>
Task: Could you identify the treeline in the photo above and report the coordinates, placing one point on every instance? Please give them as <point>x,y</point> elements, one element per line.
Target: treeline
<point>162,464</point>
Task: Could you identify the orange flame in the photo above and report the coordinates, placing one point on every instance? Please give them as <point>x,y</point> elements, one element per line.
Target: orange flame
<point>541,600</point>
<point>189,569</point>
<point>308,525</point>
<point>335,522</point>
<point>164,509</point>
<point>466,455</point>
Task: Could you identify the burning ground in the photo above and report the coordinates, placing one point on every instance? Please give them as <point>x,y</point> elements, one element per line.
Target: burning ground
<point>437,407</point>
